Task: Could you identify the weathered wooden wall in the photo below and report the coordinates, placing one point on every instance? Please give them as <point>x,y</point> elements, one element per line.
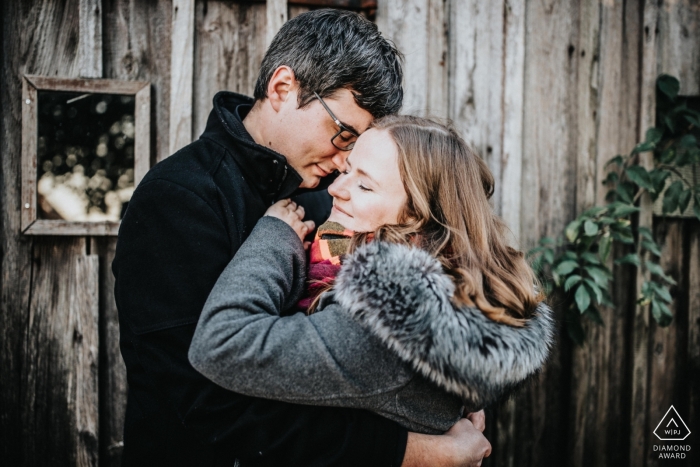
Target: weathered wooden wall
<point>546,91</point>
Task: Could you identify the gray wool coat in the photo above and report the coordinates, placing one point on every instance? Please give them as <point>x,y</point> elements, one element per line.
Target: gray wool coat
<point>387,338</point>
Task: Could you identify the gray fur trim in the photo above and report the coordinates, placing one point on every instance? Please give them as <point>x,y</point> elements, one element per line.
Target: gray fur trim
<point>403,296</point>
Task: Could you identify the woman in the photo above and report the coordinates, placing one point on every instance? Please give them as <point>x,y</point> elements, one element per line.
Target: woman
<point>431,313</point>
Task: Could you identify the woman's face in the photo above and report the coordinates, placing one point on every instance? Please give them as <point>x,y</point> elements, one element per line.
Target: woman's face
<point>370,192</point>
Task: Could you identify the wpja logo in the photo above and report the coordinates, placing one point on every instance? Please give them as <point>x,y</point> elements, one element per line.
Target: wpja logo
<point>672,428</point>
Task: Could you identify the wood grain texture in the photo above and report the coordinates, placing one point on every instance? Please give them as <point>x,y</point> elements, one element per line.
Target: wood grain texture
<point>113,385</point>
<point>90,39</point>
<point>276,15</point>
<point>137,46</point>
<point>59,381</point>
<point>679,41</point>
<point>406,24</point>
<point>513,101</point>
<point>230,41</point>
<point>181,74</point>
<point>667,380</point>
<point>692,366</point>
<point>607,125</point>
<point>639,413</point>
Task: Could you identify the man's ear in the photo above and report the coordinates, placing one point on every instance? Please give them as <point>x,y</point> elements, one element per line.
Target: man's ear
<point>281,86</point>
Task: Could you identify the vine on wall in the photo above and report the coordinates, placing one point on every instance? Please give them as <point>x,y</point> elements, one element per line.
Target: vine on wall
<point>577,263</point>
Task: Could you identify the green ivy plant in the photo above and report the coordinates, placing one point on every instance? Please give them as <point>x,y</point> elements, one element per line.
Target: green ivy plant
<point>576,264</point>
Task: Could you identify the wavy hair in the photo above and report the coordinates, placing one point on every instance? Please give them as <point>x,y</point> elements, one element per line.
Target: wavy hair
<point>448,214</point>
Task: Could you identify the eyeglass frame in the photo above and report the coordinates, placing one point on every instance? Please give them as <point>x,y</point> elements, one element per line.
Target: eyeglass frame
<point>340,125</point>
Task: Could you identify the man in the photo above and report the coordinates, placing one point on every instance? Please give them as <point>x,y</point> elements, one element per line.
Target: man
<point>190,215</point>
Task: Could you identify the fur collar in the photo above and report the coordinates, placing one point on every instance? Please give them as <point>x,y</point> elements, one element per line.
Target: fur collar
<point>402,295</point>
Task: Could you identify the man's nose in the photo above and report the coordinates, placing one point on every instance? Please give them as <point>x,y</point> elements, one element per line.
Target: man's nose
<point>339,160</point>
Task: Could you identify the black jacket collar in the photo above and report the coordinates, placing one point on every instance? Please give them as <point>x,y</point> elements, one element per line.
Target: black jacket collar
<point>264,169</point>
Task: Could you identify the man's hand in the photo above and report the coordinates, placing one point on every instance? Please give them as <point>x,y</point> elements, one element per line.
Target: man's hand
<point>478,419</point>
<point>293,215</point>
<point>462,446</point>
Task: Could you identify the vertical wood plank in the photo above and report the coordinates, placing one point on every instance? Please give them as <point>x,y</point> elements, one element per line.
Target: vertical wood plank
<point>639,416</point>
<point>549,142</point>
<point>607,125</point>
<point>90,39</point>
<point>692,368</point>
<point>15,259</point>
<point>476,80</point>
<point>667,385</point>
<point>181,74</point>
<point>83,321</point>
<point>137,44</point>
<point>276,15</point>
<point>679,39</point>
<point>437,59</point>
<point>29,142</point>
<point>113,385</point>
<point>230,47</point>
<point>59,401</point>
<point>513,100</point>
<point>405,23</point>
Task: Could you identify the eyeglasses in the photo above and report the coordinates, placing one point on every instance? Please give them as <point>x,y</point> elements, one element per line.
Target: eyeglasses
<point>345,138</point>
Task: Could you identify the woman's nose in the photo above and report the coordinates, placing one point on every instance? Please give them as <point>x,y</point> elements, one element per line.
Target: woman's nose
<point>337,189</point>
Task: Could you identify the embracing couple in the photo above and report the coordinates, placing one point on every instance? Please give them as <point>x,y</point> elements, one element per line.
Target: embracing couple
<point>317,281</point>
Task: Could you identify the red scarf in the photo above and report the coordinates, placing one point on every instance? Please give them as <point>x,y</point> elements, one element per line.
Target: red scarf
<point>330,245</point>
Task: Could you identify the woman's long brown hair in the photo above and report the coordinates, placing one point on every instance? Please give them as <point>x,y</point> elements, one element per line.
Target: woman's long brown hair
<point>448,214</point>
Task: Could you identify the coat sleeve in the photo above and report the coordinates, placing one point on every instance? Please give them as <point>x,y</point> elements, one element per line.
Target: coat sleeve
<point>243,344</point>
<point>172,246</point>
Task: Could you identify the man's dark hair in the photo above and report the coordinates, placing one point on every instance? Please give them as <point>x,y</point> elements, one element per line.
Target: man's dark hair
<point>333,49</point>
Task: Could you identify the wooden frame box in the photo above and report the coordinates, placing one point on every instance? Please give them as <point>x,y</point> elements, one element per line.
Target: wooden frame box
<point>31,223</point>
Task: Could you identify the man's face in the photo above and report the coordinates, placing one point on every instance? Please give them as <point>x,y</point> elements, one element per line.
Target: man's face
<point>305,137</point>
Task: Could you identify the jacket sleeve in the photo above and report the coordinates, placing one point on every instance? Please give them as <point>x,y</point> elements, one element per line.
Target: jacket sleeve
<point>243,344</point>
<point>172,247</point>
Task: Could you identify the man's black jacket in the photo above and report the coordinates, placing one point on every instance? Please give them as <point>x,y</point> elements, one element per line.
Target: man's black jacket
<point>185,222</point>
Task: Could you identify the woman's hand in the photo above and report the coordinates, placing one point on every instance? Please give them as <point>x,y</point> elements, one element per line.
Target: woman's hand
<point>293,215</point>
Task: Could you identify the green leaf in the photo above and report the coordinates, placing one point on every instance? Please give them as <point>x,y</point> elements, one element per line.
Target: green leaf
<point>640,176</point>
<point>604,247</point>
<point>652,247</point>
<point>566,267</point>
<point>670,124</point>
<point>617,160</point>
<point>661,291</point>
<point>590,258</point>
<point>625,191</point>
<point>594,211</point>
<point>623,210</point>
<point>654,135</point>
<point>583,299</point>
<point>632,258</point>
<point>548,256</point>
<point>658,179</point>
<point>612,177</point>
<point>661,313</point>
<point>689,141</point>
<point>594,315</point>
<point>684,200</point>
<point>623,237</point>
<point>645,232</point>
<point>599,275</point>
<point>655,268</point>
<point>571,281</point>
<point>607,300</point>
<point>571,231</point>
<point>669,86</point>
<point>671,197</point>
<point>592,287</point>
<point>590,228</point>
<point>643,147</point>
<point>692,120</point>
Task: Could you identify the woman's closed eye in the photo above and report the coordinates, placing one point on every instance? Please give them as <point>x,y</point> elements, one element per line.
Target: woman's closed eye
<point>363,188</point>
